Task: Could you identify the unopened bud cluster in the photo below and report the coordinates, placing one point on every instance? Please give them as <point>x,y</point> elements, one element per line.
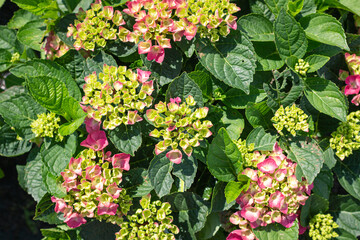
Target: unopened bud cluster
<point>151,221</point>
<point>352,78</point>
<point>91,182</point>
<point>246,152</point>
<point>47,125</point>
<point>346,138</point>
<point>180,126</point>
<point>322,227</point>
<point>213,18</point>
<point>54,47</point>
<point>119,94</point>
<point>274,194</point>
<point>302,67</point>
<point>95,26</point>
<point>291,119</point>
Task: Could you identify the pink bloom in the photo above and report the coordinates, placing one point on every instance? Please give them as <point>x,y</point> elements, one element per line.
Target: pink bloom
<point>267,166</point>
<point>275,216</point>
<point>133,117</point>
<point>75,220</point>
<point>174,156</point>
<point>250,213</point>
<point>92,172</point>
<point>245,200</point>
<point>144,47</point>
<point>356,100</point>
<point>288,220</point>
<point>231,21</point>
<point>95,140</point>
<point>121,160</point>
<point>235,218</point>
<point>235,235</point>
<point>68,175</point>
<point>292,181</point>
<point>352,85</point>
<point>343,75</point>
<point>113,190</point>
<point>108,12</point>
<point>276,200</point>
<point>60,204</point>
<point>143,76</point>
<point>252,174</point>
<point>280,174</point>
<point>265,181</point>
<point>107,208</point>
<point>157,53</point>
<point>92,125</point>
<point>160,147</point>
<point>190,31</point>
<point>175,100</point>
<point>75,165</point>
<point>98,183</point>
<point>70,185</point>
<point>163,42</point>
<point>284,208</point>
<point>302,229</point>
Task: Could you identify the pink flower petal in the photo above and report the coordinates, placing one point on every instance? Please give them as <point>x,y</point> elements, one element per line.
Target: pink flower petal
<point>95,140</point>
<point>250,213</point>
<point>121,160</point>
<point>107,208</point>
<point>276,200</point>
<point>267,166</point>
<point>143,76</point>
<point>75,220</point>
<point>174,156</point>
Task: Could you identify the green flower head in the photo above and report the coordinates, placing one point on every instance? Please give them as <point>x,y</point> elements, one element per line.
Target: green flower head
<point>322,227</point>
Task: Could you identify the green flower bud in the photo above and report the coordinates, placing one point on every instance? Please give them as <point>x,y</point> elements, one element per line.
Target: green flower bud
<point>47,125</point>
<point>302,67</point>
<point>291,118</point>
<point>322,227</point>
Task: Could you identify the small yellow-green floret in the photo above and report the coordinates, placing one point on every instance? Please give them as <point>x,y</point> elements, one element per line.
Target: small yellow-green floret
<point>322,227</point>
<point>291,119</point>
<point>47,125</point>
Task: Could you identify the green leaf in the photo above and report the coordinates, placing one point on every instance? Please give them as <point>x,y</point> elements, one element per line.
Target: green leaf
<point>135,185</point>
<point>32,33</point>
<point>276,6</point>
<point>203,80</point>
<point>169,69</point>
<point>348,172</point>
<point>329,157</point>
<point>74,62</point>
<point>186,170</point>
<point>237,99</point>
<point>186,46</point>
<point>7,38</point>
<point>2,3</point>
<point>346,211</point>
<point>326,97</point>
<point>159,174</point>
<point>212,225</point>
<point>96,230</point>
<point>295,7</point>
<point>45,211</point>
<point>316,62</point>
<point>349,5</point>
<point>324,28</point>
<point>323,183</point>
<point>267,56</point>
<point>234,189</point>
<point>290,38</point>
<point>231,59</point>
<point>230,119</point>
<point>259,7</point>
<point>126,138</point>
<point>70,127</point>
<point>190,211</point>
<point>183,86</point>
<point>262,141</point>
<point>344,235</point>
<point>5,60</point>
<point>20,169</point>
<point>20,18</point>
<point>57,157</point>
<point>61,28</point>
<point>24,111</point>
<point>277,232</point>
<point>257,27</point>
<point>224,158</point>
<point>34,183</point>
<point>10,146</point>
<point>259,114</point>
<point>314,205</point>
<point>44,8</point>
<point>218,200</point>
<point>309,158</point>
<point>48,69</point>
<point>121,49</point>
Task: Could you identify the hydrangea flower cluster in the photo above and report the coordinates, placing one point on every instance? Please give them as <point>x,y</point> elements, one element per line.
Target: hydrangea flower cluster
<point>246,152</point>
<point>95,26</point>
<point>346,138</point>
<point>54,47</point>
<point>155,24</point>
<point>119,95</point>
<point>291,118</point>
<point>47,125</point>
<point>322,227</point>
<point>91,182</point>
<point>352,78</point>
<point>274,195</point>
<point>214,18</point>
<point>302,67</point>
<point>181,126</point>
<point>151,221</point>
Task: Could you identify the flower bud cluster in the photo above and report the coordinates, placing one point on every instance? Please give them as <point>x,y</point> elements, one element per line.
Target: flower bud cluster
<point>54,47</point>
<point>246,152</point>
<point>291,118</point>
<point>119,94</point>
<point>322,227</point>
<point>352,78</point>
<point>214,18</point>
<point>151,221</point>
<point>95,26</point>
<point>15,57</point>
<point>274,194</point>
<point>346,138</point>
<point>181,126</point>
<point>302,67</point>
<point>91,182</point>
<point>47,125</point>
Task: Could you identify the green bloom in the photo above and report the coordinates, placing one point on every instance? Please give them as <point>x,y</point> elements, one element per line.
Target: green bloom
<point>302,67</point>
<point>291,119</point>
<point>246,152</point>
<point>322,227</point>
<point>47,125</point>
<point>346,137</point>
